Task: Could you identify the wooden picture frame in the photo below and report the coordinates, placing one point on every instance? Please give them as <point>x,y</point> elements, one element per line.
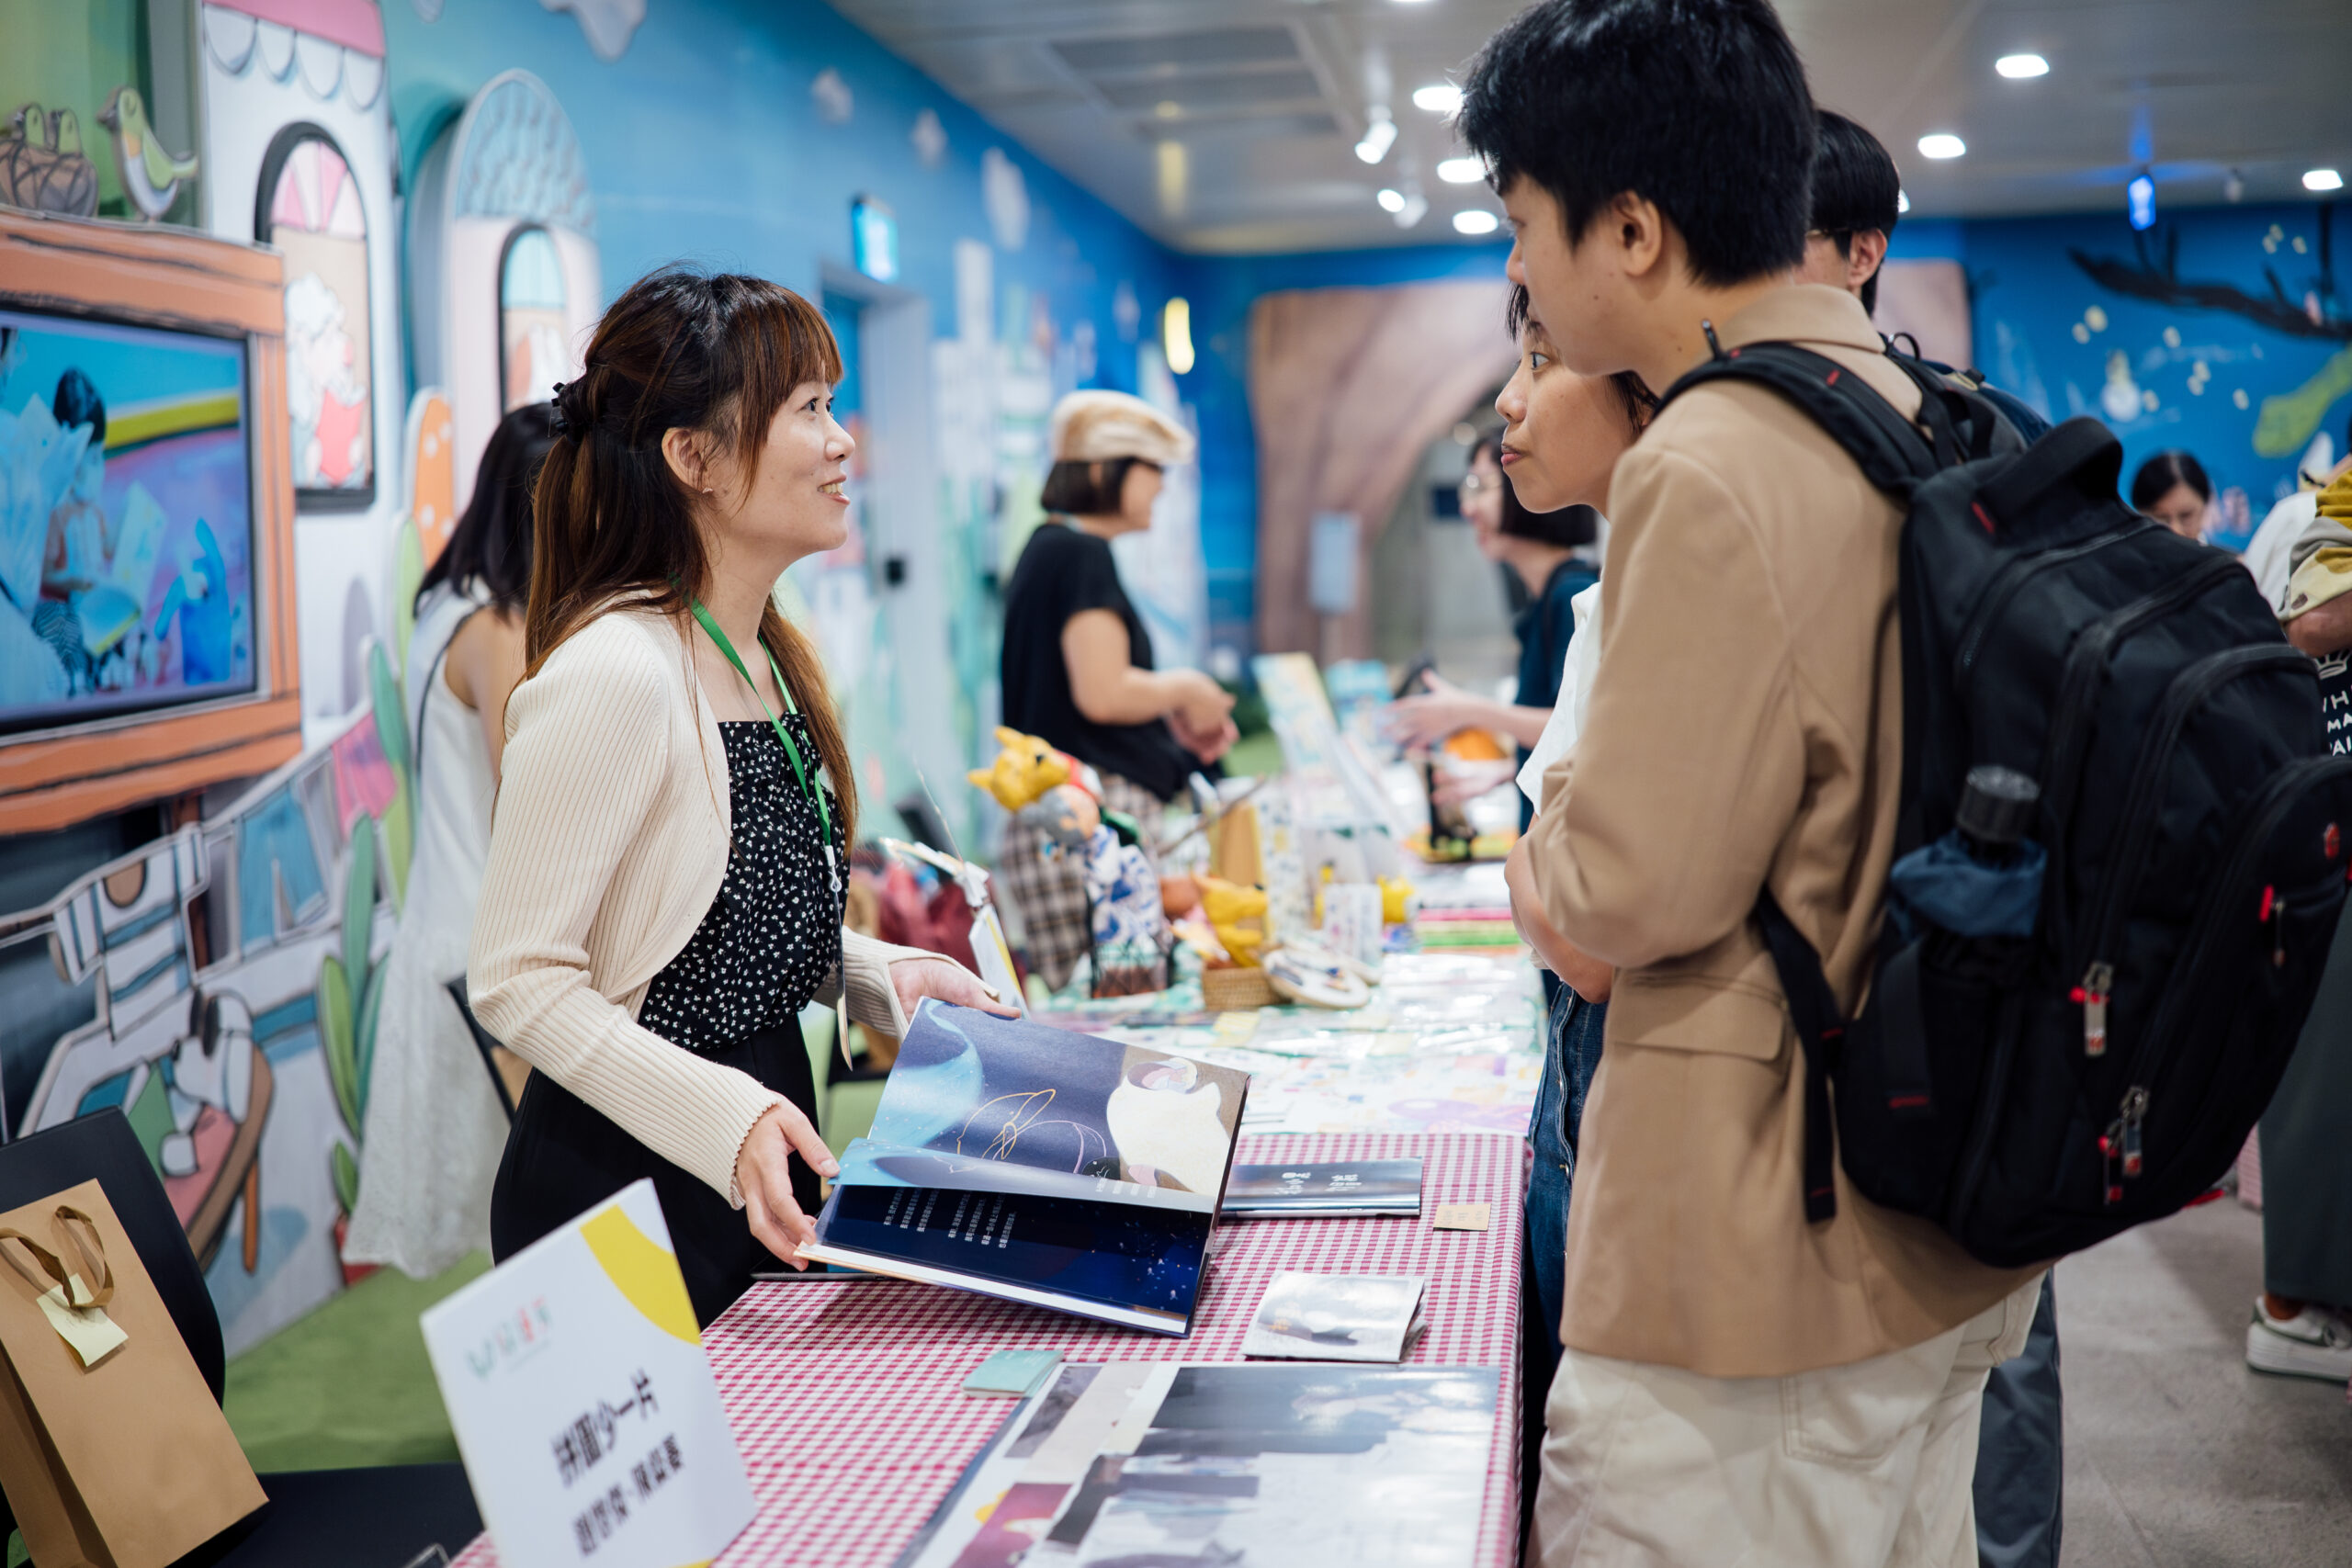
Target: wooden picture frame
<point>177,279</point>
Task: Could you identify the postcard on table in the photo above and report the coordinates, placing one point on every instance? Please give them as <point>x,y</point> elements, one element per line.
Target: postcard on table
<point>1335,1317</point>
<point>1041,1166</point>
<point>1347,1188</point>
<point>1306,1467</point>
<point>585,1412</point>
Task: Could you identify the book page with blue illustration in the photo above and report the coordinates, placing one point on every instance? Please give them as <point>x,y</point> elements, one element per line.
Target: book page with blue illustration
<point>1041,1166</point>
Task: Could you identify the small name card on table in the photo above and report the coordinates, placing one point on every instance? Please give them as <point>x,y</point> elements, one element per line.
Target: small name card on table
<point>583,1408</point>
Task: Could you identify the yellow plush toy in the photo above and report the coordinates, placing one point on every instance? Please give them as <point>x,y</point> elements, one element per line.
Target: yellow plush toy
<point>1228,906</point>
<point>1029,773</point>
<point>1023,770</point>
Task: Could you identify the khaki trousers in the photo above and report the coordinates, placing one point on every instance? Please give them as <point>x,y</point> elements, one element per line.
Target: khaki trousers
<point>1860,1466</point>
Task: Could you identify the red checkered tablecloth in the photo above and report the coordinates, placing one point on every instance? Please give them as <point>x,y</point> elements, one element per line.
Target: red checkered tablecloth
<point>847,1399</point>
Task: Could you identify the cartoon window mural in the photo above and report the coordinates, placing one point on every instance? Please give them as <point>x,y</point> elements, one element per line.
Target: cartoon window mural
<point>310,209</point>
<point>530,319</point>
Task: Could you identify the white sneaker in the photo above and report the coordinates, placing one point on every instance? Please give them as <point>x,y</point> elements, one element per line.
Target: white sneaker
<point>2314,1343</point>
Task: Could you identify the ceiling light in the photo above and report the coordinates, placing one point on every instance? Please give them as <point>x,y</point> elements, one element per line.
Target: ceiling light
<point>1438,97</point>
<point>1391,200</point>
<point>2322,179</point>
<point>1176,335</point>
<point>2140,201</point>
<point>1470,171</point>
<point>1902,199</point>
<point>1410,209</point>
<point>1941,144</point>
<point>2017,67</point>
<point>1378,137</point>
<point>1477,220</point>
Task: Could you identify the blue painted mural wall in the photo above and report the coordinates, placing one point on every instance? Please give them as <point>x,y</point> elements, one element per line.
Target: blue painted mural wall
<point>2243,379</point>
<point>704,141</point>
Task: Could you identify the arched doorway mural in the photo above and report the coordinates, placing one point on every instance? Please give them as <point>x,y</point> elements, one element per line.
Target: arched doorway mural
<point>502,261</point>
<point>530,320</point>
<point>309,206</point>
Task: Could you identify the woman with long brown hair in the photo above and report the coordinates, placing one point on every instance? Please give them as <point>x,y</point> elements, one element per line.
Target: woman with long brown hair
<point>666,882</point>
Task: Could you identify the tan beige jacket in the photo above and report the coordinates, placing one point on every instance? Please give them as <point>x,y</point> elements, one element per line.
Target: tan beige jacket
<point>608,843</point>
<point>1745,729</point>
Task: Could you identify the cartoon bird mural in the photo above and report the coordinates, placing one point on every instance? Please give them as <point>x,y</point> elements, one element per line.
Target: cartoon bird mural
<point>150,177</point>
<point>42,167</point>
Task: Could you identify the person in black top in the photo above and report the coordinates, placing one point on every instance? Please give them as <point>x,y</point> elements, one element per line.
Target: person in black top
<point>1076,666</point>
<point>1540,523</point>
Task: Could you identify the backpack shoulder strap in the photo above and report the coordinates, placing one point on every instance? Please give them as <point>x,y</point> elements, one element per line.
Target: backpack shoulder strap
<point>1821,1031</point>
<point>1891,452</point>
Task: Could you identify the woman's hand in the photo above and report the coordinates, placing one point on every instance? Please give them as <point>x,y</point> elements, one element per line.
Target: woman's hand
<point>915,978</point>
<point>1468,781</point>
<point>1585,976</point>
<point>1422,721</point>
<point>1197,704</point>
<point>1209,744</point>
<point>764,1176</point>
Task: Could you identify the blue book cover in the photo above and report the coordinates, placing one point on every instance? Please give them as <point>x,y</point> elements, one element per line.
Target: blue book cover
<point>1040,1165</point>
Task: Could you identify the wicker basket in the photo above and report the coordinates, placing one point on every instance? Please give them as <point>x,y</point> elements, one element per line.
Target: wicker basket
<point>1236,990</point>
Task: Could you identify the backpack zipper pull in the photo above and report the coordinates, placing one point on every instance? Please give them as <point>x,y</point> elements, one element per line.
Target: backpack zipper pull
<point>2274,915</point>
<point>2110,1148</point>
<point>2092,994</point>
<point>2135,1110</point>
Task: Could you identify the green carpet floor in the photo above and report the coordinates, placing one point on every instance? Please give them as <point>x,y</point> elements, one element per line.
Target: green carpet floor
<point>349,1385</point>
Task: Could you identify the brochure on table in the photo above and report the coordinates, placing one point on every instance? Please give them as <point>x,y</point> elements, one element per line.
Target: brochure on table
<point>586,1415</point>
<point>1040,1165</point>
<point>1309,1189</point>
<point>1307,1466</point>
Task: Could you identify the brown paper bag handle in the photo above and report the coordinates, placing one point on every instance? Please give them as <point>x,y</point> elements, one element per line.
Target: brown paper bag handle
<point>50,1264</point>
<point>97,1273</point>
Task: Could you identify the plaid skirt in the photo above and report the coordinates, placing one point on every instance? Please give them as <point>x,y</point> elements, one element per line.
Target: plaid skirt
<point>1050,887</point>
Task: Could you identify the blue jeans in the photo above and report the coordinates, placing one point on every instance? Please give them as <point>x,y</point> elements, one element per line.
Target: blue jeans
<point>1572,1029</point>
<point>1571,1055</point>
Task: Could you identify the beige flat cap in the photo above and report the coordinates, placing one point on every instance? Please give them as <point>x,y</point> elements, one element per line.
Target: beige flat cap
<point>1096,426</point>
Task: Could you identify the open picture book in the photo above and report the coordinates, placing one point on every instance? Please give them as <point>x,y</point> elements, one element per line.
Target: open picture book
<point>1040,1165</point>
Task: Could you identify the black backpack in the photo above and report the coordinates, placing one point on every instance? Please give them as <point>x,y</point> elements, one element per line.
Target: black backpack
<point>2036,1094</point>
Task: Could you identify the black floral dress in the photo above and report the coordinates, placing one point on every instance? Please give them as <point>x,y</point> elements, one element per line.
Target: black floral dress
<point>733,995</point>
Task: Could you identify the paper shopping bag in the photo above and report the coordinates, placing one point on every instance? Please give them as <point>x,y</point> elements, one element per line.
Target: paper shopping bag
<point>112,1452</point>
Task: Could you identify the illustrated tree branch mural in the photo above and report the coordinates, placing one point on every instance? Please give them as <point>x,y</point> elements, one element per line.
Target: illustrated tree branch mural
<point>2286,422</point>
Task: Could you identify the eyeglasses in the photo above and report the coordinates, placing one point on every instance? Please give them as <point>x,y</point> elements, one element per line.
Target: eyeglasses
<point>1478,484</point>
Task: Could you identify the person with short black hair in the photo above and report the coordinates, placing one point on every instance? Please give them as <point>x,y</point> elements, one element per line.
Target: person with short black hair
<point>1077,667</point>
<point>1857,198</point>
<point>2171,488</point>
<point>1738,1381</point>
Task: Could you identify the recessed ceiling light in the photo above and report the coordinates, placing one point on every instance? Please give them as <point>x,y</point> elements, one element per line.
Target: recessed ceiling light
<point>1477,221</point>
<point>2019,66</point>
<point>1168,108</point>
<point>2322,179</point>
<point>1438,97</point>
<point>1462,171</point>
<point>1378,137</point>
<point>1902,200</point>
<point>1391,200</point>
<point>1941,144</point>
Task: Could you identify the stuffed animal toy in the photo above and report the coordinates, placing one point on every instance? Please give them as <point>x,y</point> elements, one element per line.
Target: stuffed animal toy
<point>1056,787</point>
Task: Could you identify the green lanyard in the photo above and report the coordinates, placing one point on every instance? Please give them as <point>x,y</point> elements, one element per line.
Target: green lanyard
<point>791,748</point>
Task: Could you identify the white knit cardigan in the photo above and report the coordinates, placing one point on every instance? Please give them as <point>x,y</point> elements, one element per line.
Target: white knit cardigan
<point>607,845</point>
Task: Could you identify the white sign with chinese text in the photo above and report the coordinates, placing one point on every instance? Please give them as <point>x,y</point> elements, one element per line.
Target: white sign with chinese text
<point>575,1381</point>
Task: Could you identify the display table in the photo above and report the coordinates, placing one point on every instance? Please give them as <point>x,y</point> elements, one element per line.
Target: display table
<point>844,1393</point>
